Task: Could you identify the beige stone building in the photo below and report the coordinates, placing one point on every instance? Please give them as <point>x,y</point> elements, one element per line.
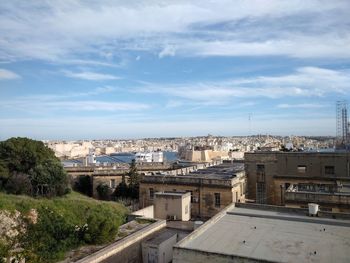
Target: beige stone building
<point>298,178</point>
<point>172,205</point>
<point>211,189</point>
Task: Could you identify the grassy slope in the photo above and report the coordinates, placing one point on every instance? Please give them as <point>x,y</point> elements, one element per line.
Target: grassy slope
<point>73,206</point>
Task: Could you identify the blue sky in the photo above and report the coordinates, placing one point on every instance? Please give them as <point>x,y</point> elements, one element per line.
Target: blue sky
<point>125,69</point>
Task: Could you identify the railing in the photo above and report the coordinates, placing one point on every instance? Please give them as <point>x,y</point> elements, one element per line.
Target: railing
<point>318,197</point>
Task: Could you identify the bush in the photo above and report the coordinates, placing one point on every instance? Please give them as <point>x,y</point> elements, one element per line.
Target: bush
<point>100,227</point>
<point>49,238</point>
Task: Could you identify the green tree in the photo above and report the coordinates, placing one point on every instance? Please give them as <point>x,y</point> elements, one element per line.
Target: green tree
<point>104,191</point>
<point>33,160</point>
<point>122,190</point>
<point>134,180</point>
<point>84,185</point>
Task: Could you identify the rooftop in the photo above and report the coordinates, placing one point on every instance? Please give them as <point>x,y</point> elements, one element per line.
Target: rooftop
<point>160,238</point>
<point>222,171</point>
<point>272,236</point>
<point>176,194</point>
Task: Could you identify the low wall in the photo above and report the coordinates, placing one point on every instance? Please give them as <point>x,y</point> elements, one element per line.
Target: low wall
<point>147,212</point>
<point>114,249</point>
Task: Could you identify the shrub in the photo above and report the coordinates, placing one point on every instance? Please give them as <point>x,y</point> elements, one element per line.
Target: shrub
<point>49,238</point>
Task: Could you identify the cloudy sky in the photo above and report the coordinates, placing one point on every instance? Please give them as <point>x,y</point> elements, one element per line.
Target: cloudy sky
<point>124,69</point>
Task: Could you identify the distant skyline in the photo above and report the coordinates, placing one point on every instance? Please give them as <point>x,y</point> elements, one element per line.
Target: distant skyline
<point>114,69</point>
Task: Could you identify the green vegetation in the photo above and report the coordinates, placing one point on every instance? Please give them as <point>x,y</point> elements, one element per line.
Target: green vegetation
<point>130,190</point>
<point>63,223</point>
<point>29,167</point>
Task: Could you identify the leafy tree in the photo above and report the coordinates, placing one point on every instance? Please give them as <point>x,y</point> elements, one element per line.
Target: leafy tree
<point>104,191</point>
<point>18,184</point>
<point>23,159</point>
<point>83,185</point>
<point>122,190</point>
<point>134,180</point>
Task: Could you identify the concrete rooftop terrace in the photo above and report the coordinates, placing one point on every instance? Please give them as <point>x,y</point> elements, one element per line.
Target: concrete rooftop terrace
<point>271,236</point>
<point>223,171</point>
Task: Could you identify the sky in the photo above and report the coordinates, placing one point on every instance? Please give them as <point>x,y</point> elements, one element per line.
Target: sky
<point>133,69</point>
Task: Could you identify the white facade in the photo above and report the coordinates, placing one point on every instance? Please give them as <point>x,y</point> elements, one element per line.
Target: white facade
<point>149,157</point>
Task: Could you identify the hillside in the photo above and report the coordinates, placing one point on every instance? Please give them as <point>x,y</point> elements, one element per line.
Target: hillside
<point>45,229</point>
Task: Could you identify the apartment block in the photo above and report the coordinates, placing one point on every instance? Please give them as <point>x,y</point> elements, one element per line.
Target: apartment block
<point>211,189</point>
<point>298,178</point>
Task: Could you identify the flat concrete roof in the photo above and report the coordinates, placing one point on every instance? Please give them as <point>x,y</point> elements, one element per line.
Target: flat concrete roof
<point>174,194</point>
<point>273,236</point>
<point>221,171</point>
<point>158,239</point>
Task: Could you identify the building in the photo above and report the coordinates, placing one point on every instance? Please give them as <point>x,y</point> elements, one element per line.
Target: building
<point>212,188</point>
<point>149,157</point>
<point>172,205</point>
<point>297,178</point>
<point>260,233</point>
<point>159,248</point>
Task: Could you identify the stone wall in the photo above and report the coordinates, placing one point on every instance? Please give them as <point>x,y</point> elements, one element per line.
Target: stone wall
<point>127,249</point>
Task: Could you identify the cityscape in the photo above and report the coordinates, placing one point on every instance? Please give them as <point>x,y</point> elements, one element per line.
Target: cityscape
<point>174,131</point>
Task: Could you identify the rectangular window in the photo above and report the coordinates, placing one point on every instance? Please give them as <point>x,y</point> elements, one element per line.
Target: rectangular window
<point>260,172</point>
<point>217,199</point>
<point>151,193</point>
<point>166,207</point>
<point>301,169</point>
<point>329,170</point>
<point>113,183</point>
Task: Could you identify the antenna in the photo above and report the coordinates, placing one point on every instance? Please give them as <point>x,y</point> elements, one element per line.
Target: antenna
<point>342,123</point>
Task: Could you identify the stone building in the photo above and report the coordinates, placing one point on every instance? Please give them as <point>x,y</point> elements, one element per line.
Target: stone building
<point>298,178</point>
<point>259,233</point>
<point>211,188</point>
<point>172,205</point>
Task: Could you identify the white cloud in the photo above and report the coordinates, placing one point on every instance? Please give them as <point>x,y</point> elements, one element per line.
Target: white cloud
<point>7,75</point>
<point>90,75</point>
<point>68,30</point>
<point>300,106</point>
<point>167,51</point>
<point>305,82</point>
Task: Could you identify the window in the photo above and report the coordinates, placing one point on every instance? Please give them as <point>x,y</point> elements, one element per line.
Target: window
<point>113,183</point>
<point>329,170</point>
<point>166,207</point>
<point>217,199</point>
<point>260,168</point>
<point>301,169</point>
<point>151,193</point>
<point>260,172</point>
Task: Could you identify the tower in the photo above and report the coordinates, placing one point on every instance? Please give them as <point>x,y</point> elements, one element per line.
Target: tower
<point>343,136</point>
